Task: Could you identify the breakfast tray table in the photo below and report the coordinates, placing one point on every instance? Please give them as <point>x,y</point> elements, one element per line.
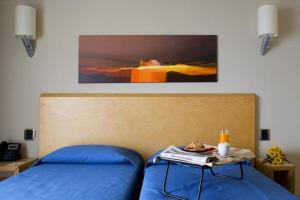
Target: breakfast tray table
<point>238,156</point>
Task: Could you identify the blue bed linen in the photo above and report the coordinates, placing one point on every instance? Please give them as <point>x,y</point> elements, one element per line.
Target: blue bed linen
<point>73,182</point>
<point>184,181</point>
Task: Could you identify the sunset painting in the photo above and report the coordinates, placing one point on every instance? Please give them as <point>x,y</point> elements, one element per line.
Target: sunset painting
<point>147,58</point>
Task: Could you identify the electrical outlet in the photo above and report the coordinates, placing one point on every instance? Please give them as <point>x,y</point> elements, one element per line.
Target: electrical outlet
<point>265,134</point>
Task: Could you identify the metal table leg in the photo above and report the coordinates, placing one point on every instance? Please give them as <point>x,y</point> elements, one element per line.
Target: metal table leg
<point>164,191</point>
<point>200,184</point>
<point>225,176</point>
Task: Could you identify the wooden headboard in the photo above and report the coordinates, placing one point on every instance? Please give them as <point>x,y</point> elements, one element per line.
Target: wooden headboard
<point>145,122</point>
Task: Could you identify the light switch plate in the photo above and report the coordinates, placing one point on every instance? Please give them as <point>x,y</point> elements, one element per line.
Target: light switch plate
<point>29,134</point>
<point>265,134</point>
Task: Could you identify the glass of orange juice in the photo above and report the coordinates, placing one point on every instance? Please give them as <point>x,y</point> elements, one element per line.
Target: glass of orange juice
<point>224,136</point>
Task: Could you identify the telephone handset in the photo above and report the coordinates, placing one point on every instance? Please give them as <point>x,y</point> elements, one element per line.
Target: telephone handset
<point>10,151</point>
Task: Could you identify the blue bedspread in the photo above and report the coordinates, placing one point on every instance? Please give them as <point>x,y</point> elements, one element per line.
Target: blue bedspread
<point>183,181</point>
<point>73,182</point>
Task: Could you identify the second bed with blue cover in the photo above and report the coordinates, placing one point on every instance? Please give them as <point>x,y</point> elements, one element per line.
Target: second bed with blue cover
<point>184,181</point>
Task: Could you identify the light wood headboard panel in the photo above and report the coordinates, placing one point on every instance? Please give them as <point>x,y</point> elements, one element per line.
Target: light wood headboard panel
<point>145,122</point>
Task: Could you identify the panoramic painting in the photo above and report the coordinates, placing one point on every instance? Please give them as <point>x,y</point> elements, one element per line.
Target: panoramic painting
<point>147,58</point>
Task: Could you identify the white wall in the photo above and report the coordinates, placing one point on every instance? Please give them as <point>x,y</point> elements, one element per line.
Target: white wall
<point>54,68</point>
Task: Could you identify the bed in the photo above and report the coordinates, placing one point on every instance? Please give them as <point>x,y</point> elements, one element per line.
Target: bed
<point>83,172</point>
<point>184,181</point>
<point>145,123</point>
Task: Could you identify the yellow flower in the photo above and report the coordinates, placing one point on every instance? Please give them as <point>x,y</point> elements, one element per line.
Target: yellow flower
<point>271,152</point>
<point>276,155</point>
<point>277,161</point>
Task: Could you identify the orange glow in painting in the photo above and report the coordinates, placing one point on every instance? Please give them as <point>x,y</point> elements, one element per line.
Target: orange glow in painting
<point>159,73</point>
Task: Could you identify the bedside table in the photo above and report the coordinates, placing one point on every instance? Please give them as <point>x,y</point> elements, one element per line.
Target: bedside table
<point>10,168</point>
<point>283,174</point>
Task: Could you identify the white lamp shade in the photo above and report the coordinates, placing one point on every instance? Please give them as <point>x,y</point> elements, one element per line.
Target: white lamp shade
<point>268,20</point>
<point>25,21</point>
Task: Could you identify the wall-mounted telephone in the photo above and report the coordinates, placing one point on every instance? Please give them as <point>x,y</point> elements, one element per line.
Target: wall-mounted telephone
<point>10,151</point>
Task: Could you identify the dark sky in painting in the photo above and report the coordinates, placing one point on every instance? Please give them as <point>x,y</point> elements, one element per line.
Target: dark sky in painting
<point>125,51</point>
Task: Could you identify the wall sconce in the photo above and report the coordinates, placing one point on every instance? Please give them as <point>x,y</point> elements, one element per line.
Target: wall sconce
<point>25,26</point>
<point>267,25</point>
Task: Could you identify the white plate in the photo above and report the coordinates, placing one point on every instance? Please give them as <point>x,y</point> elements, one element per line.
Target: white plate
<point>228,156</point>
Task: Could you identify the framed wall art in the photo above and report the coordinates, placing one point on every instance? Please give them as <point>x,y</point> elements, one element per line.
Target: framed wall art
<point>147,58</point>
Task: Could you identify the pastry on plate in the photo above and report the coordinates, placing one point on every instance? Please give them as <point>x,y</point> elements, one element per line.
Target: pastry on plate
<point>195,146</point>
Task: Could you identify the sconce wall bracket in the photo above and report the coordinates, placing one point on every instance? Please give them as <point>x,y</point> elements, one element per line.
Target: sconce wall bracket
<point>266,40</point>
<point>28,44</point>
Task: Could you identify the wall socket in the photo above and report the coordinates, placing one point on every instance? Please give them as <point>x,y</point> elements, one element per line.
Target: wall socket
<point>265,134</point>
